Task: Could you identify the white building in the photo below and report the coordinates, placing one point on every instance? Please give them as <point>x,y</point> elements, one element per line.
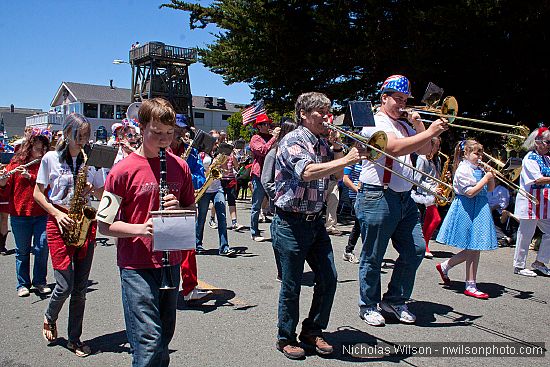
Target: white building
<point>104,105</point>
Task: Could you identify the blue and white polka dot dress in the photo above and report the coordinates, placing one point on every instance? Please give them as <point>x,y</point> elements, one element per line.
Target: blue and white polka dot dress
<point>468,224</point>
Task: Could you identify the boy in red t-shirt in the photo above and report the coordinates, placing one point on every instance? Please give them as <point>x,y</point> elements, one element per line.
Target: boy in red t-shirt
<point>132,190</point>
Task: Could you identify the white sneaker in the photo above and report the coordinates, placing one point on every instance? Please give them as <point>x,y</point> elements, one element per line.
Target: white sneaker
<point>212,224</point>
<point>540,268</point>
<point>349,256</point>
<point>23,292</point>
<point>428,255</point>
<point>236,227</point>
<point>258,238</point>
<point>401,312</point>
<point>196,294</point>
<point>525,272</point>
<point>43,289</point>
<point>373,317</point>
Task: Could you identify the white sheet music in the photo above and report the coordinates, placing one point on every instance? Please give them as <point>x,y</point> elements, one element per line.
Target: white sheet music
<point>173,232</point>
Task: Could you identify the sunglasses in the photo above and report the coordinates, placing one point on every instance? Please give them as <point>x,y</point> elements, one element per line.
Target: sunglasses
<point>131,136</point>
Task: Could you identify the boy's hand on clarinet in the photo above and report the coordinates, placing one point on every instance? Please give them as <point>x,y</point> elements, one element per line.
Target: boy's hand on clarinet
<point>171,202</point>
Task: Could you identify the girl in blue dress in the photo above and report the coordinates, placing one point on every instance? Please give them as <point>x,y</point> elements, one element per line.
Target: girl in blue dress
<point>468,224</point>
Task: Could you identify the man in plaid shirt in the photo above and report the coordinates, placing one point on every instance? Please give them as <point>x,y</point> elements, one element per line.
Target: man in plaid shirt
<point>303,165</point>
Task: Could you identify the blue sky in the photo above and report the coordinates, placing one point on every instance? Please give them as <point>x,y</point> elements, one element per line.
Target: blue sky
<point>45,42</point>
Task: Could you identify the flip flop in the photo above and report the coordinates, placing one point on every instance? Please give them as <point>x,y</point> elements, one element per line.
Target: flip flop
<point>52,328</point>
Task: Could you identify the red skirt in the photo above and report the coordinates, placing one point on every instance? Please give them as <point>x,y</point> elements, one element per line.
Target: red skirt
<point>61,254</point>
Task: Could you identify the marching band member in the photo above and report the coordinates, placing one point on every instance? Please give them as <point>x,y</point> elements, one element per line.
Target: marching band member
<point>386,210</point>
<point>260,144</point>
<point>535,179</point>
<point>28,219</point>
<point>133,189</point>
<point>71,264</point>
<point>432,219</point>
<point>468,224</point>
<point>303,165</point>
<point>189,270</point>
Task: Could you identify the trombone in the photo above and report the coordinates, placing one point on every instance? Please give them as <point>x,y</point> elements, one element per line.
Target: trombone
<point>509,183</point>
<point>512,173</point>
<point>376,145</point>
<point>449,110</point>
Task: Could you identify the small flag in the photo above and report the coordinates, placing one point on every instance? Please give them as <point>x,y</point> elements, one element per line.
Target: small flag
<point>249,114</point>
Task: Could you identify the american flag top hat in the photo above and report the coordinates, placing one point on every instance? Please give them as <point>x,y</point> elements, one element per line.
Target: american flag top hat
<point>397,83</point>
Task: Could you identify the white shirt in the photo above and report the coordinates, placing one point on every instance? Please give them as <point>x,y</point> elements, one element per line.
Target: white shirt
<point>530,172</point>
<point>216,184</point>
<point>464,179</point>
<point>372,174</point>
<point>60,178</point>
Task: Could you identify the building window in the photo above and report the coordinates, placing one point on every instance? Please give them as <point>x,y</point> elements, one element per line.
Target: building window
<point>107,111</point>
<point>199,115</point>
<point>121,111</point>
<point>225,117</point>
<point>90,110</point>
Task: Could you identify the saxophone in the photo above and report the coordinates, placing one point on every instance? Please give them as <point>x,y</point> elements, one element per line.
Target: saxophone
<point>79,211</point>
<point>214,173</point>
<point>445,191</point>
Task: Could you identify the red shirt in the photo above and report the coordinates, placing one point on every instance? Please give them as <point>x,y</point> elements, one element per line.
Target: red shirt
<point>136,180</point>
<point>260,144</point>
<point>19,192</point>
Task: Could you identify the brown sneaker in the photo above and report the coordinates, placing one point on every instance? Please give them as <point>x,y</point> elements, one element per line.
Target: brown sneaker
<point>320,344</point>
<point>290,349</point>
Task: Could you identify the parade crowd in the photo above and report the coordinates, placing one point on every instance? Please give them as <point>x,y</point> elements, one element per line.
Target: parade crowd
<point>301,174</point>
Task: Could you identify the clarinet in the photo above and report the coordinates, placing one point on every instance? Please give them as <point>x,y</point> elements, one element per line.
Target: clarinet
<point>166,281</point>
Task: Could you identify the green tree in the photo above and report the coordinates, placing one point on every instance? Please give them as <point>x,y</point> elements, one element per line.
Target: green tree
<point>235,128</point>
<point>487,53</point>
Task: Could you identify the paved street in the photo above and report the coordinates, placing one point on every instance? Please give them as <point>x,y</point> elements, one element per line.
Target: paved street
<point>236,326</point>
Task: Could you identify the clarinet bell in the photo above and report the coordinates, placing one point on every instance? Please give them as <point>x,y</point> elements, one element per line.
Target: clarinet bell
<point>166,281</point>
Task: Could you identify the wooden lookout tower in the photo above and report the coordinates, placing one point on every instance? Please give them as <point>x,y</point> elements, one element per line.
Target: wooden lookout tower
<point>159,70</point>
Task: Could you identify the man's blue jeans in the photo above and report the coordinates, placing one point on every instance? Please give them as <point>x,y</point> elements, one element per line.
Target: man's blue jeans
<point>149,314</point>
<point>29,231</point>
<point>384,215</point>
<point>218,198</point>
<point>296,241</point>
<point>258,194</point>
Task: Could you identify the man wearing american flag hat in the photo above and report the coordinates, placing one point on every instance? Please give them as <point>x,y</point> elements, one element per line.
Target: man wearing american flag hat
<point>385,209</point>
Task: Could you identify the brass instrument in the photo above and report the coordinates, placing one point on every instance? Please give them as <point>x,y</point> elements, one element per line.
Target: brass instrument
<point>187,151</point>
<point>214,173</point>
<point>511,174</point>
<point>376,145</point>
<point>449,111</point>
<point>445,191</point>
<point>509,183</point>
<point>79,211</point>
<point>9,173</point>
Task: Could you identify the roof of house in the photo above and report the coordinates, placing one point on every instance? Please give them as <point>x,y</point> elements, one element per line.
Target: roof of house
<point>91,92</point>
<point>100,93</point>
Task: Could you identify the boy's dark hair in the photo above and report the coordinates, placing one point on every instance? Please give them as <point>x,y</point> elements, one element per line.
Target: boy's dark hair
<point>157,109</point>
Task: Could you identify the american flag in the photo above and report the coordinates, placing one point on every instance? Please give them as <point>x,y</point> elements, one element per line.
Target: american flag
<point>250,113</point>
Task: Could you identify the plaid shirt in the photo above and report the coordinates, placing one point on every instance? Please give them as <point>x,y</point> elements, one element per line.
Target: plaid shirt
<point>295,151</point>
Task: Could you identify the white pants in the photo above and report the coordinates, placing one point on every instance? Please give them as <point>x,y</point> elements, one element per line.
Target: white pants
<point>526,231</point>
<point>332,204</point>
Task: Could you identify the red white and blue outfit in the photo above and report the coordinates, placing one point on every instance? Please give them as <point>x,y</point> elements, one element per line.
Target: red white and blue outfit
<point>531,215</point>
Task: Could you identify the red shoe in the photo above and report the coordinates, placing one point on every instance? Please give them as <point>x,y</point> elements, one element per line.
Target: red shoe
<point>476,294</point>
<point>444,277</point>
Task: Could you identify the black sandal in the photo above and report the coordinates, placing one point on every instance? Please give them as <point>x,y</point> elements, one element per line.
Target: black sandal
<point>52,328</point>
<point>79,348</point>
